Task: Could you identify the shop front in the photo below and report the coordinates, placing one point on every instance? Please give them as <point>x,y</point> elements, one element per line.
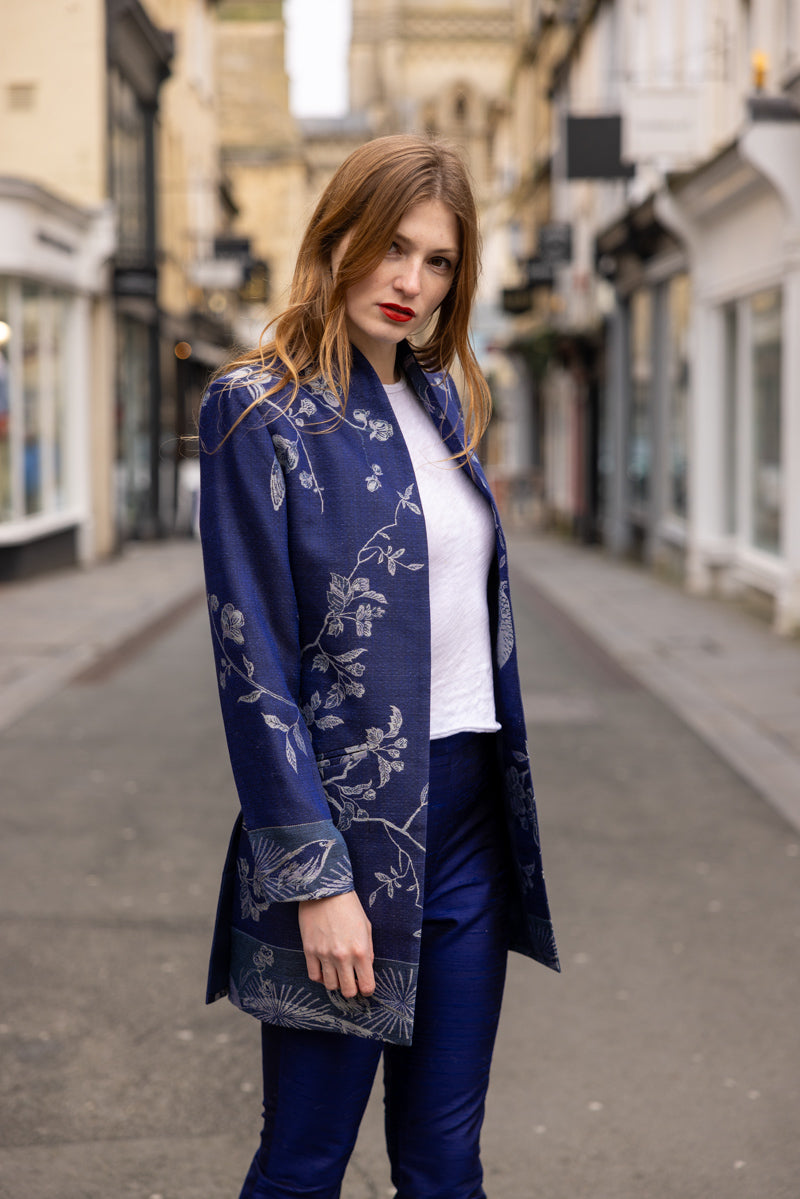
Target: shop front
<point>52,278</point>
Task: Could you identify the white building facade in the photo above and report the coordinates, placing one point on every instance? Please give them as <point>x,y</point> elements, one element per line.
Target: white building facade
<point>53,299</point>
<point>685,263</point>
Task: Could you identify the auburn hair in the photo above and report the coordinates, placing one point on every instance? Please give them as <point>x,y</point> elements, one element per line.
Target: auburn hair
<point>367,198</point>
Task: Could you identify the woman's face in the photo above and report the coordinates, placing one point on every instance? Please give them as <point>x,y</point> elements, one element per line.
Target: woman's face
<point>401,295</point>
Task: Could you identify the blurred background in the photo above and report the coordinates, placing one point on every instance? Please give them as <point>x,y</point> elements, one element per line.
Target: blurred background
<point>636,164</point>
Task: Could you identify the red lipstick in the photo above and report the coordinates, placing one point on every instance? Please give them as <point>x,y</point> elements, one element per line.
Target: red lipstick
<point>396,312</point>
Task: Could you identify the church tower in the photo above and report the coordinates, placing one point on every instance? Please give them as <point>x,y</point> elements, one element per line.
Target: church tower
<point>440,66</point>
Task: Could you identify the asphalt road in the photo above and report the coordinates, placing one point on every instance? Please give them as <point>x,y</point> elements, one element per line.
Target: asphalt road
<point>664,1063</point>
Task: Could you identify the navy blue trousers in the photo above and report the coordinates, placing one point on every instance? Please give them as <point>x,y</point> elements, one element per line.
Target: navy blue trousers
<point>316,1084</point>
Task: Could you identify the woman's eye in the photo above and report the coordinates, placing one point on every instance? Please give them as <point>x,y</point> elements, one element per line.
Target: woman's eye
<point>394,248</point>
<point>442,264</point>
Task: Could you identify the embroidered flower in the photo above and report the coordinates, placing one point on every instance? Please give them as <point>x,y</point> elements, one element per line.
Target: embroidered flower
<point>381,430</point>
<point>231,621</point>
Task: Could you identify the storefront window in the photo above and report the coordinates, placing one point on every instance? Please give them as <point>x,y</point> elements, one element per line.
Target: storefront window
<point>639,456</point>
<point>765,315</point>
<point>31,398</point>
<point>679,299</point>
<point>133,427</point>
<point>34,390</point>
<point>5,403</point>
<point>60,375</point>
<point>731,410</point>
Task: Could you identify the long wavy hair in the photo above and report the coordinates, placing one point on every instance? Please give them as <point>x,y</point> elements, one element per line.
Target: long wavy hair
<point>367,198</point>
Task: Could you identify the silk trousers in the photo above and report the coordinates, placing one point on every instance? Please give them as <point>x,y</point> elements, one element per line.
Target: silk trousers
<point>316,1084</point>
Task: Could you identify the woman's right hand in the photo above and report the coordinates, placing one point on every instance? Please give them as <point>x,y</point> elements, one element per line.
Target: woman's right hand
<point>337,942</point>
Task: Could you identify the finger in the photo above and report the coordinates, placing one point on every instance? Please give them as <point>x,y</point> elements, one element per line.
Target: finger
<point>314,968</point>
<point>329,976</point>
<point>347,982</point>
<point>365,976</point>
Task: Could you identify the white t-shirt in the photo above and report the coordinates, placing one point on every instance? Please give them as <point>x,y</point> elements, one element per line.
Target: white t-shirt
<point>461,544</point>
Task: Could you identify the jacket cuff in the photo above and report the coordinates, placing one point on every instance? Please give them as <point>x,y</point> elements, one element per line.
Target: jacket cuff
<point>301,861</point>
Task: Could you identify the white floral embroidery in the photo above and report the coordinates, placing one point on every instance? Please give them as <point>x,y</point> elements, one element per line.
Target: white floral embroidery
<point>386,1015</point>
<point>505,631</point>
<point>229,628</point>
<point>280,875</point>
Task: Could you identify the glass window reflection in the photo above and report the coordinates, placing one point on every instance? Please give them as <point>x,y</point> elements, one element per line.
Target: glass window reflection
<point>767,476</point>
<point>6,484</point>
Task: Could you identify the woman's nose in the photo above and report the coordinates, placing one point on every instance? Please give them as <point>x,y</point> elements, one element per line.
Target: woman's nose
<point>408,279</point>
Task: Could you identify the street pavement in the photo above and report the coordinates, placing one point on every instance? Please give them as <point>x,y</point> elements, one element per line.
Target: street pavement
<point>664,1063</point>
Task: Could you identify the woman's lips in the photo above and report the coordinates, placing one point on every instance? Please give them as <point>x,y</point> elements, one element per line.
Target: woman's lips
<point>396,313</point>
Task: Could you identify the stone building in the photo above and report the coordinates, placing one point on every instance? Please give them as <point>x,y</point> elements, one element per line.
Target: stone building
<point>261,154</point>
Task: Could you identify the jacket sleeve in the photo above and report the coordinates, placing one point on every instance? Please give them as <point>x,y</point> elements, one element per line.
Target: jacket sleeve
<point>297,850</point>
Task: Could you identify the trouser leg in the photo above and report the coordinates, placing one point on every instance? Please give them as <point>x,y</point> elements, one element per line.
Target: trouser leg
<point>316,1086</point>
<point>436,1088</point>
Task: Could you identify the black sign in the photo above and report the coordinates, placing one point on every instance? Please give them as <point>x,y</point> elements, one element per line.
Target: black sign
<point>594,148</point>
<point>136,281</point>
<point>538,273</point>
<point>516,300</point>
<point>555,243</point>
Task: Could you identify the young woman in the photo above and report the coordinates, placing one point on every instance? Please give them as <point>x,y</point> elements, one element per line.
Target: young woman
<point>387,852</point>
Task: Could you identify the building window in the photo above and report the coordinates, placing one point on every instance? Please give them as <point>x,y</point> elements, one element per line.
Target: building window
<point>34,395</point>
<point>128,166</point>
<point>639,454</point>
<point>766,345</point>
<point>6,504</point>
<point>133,427</point>
<point>731,415</point>
<point>679,299</point>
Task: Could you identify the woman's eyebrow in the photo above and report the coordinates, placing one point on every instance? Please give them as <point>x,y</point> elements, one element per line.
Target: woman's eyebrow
<point>442,250</point>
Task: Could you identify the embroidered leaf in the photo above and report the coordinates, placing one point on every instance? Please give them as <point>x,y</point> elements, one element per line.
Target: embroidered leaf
<point>376,595</point>
<point>350,655</point>
<point>291,756</point>
<point>385,771</point>
<point>505,632</point>
<point>299,739</point>
<point>248,665</point>
<point>414,565</point>
<point>335,697</point>
<point>395,721</point>
<point>413,508</point>
<point>374,738</point>
<point>357,790</point>
<point>321,662</point>
<point>273,722</point>
<point>329,722</point>
<point>251,698</point>
<point>277,485</point>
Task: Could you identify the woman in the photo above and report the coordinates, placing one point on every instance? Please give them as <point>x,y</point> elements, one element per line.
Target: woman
<point>387,853</point>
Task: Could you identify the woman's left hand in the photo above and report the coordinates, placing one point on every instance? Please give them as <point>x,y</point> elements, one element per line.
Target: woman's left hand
<point>337,942</point>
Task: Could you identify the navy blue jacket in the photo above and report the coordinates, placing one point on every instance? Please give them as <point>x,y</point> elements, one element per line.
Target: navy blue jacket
<point>316,567</point>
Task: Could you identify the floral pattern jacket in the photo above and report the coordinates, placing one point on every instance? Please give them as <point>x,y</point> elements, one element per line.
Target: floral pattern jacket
<point>316,566</point>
